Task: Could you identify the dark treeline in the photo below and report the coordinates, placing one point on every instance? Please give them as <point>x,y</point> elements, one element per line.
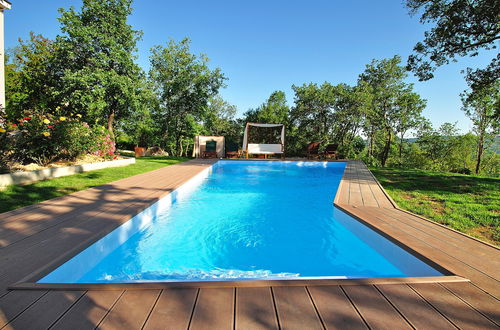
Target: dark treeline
<point>89,73</point>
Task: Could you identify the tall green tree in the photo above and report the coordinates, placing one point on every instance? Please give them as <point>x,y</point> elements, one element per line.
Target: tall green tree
<point>29,82</point>
<point>219,117</point>
<point>184,85</point>
<point>459,28</point>
<point>409,117</point>
<point>274,110</point>
<point>98,77</point>
<point>391,99</point>
<point>480,104</point>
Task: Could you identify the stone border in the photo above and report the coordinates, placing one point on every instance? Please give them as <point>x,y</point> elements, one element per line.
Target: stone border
<point>50,173</point>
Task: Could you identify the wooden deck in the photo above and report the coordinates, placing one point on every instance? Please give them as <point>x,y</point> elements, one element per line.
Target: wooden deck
<point>32,237</point>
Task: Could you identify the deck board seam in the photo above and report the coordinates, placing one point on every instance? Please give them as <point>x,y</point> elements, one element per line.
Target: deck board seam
<point>193,308</point>
<point>434,307</point>
<point>468,304</point>
<point>318,314</point>
<point>66,311</point>
<point>395,308</point>
<point>152,309</point>
<point>234,307</point>
<point>376,199</point>
<point>354,306</point>
<point>28,306</point>
<point>275,308</point>
<point>110,309</point>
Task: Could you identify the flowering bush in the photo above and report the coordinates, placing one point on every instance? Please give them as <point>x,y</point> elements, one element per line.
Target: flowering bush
<point>104,146</point>
<point>42,138</point>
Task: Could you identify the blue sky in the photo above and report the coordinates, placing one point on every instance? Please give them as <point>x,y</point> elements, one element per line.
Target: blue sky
<point>263,46</point>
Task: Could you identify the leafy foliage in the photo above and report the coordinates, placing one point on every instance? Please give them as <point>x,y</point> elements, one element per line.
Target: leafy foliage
<point>462,28</point>
<point>97,75</point>
<point>394,107</point>
<point>184,85</point>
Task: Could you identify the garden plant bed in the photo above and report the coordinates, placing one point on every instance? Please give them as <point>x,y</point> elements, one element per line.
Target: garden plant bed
<point>55,170</point>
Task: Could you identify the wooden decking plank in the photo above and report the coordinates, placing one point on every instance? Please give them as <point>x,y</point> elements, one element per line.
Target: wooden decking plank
<point>131,311</point>
<point>88,312</point>
<point>214,309</point>
<point>255,309</point>
<point>173,309</point>
<point>377,191</point>
<point>295,309</point>
<point>355,196</point>
<point>443,239</point>
<point>45,247</point>
<point>46,310</point>
<point>422,247</point>
<point>462,315</point>
<point>14,303</point>
<point>342,196</point>
<point>416,310</point>
<point>50,214</point>
<point>103,201</point>
<point>482,302</point>
<point>335,309</point>
<point>375,309</point>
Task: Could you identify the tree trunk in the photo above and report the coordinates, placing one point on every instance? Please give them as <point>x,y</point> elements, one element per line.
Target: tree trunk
<point>387,147</point>
<point>111,119</point>
<point>480,146</point>
<point>179,147</point>
<point>401,146</point>
<point>370,148</point>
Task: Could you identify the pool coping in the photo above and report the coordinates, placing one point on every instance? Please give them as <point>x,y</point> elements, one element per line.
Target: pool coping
<point>29,282</point>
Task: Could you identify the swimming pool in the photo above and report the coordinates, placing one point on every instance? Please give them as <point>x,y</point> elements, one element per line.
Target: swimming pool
<point>244,220</point>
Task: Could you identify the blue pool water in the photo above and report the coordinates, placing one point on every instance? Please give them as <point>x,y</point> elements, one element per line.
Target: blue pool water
<point>245,220</point>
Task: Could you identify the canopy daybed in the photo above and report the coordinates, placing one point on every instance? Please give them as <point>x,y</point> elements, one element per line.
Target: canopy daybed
<point>264,148</point>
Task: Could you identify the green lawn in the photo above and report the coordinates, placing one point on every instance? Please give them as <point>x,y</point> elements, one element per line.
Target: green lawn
<point>470,204</point>
<point>18,196</point>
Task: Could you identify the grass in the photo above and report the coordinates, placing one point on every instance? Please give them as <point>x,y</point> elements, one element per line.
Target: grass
<point>17,196</point>
<point>470,204</point>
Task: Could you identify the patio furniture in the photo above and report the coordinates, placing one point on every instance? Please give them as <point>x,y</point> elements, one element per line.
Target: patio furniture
<point>210,149</point>
<point>264,149</point>
<point>313,150</point>
<point>200,145</point>
<point>232,150</point>
<point>331,151</point>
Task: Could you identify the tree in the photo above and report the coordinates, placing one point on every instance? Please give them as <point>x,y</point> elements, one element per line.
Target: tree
<point>480,104</point>
<point>311,113</point>
<point>184,85</point>
<point>219,120</point>
<point>98,77</point>
<point>274,111</point>
<point>462,28</point>
<point>411,107</point>
<point>29,82</point>
<point>392,99</point>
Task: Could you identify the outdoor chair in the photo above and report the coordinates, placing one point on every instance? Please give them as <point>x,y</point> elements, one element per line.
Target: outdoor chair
<point>232,150</point>
<point>313,150</point>
<point>210,149</point>
<point>331,151</point>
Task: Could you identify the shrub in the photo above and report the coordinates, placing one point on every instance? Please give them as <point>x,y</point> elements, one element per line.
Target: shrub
<point>103,146</point>
<point>42,138</point>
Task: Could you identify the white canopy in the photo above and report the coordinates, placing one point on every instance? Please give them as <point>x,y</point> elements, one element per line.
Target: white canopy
<point>245,136</point>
